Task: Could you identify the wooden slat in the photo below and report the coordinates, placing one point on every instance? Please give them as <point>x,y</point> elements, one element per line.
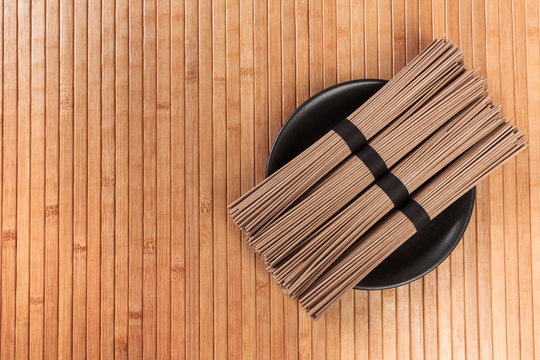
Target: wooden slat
<point>121,196</point>
<point>9,181</point>
<point>37,182</point>
<point>496,195</point>
<point>94,182</point>
<point>178,214</point>
<point>80,176</point>
<point>192,178</point>
<point>511,269</point>
<point>128,126</point>
<point>524,319</point>
<point>234,242</point>
<point>533,112</point>
<point>219,133</point>
<point>108,181</point>
<point>485,344</point>
<point>457,289</point>
<point>2,323</point>
<point>275,121</point>
<point>482,209</point>
<point>288,102</point>
<point>443,271</point>
<point>469,239</point>
<point>23,179</point>
<point>149,148</point>
<point>205,183</point>
<point>163,185</point>
<point>247,164</point>
<point>219,181</point>
<point>65,242</point>
<point>135,226</point>
<point>261,143</point>
<point>302,94</point>
<point>52,97</point>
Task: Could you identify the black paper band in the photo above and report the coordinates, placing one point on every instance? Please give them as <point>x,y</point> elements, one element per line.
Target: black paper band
<point>373,161</point>
<point>352,136</point>
<point>394,188</point>
<point>416,214</point>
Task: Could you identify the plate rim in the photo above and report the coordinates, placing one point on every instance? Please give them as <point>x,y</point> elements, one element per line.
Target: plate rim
<point>471,192</point>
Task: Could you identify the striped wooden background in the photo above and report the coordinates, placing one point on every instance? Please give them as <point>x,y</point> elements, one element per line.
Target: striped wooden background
<point>128,126</point>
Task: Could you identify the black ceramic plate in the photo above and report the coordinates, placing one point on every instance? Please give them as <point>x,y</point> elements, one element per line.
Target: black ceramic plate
<point>422,252</point>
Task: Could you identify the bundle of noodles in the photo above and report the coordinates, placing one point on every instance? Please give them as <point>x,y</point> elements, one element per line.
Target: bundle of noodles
<point>313,256</point>
<point>276,240</point>
<point>385,237</point>
<point>411,88</point>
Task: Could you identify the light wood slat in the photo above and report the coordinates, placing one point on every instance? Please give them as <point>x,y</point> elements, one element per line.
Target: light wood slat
<point>23,179</point>
<point>108,182</point>
<point>52,97</point>
<point>467,38</point>
<point>496,194</point>
<point>247,167</point>
<point>80,176</point>
<point>191,53</point>
<point>262,142</point>
<point>127,128</point>
<point>135,227</point>
<point>288,104</point>
<point>469,238</point>
<point>65,242</point>
<point>457,287</point>
<point>163,163</point>
<point>483,310</point>
<point>275,119</point>
<point>219,131</point>
<point>509,182</point>
<point>205,183</point>
<point>149,148</point>
<point>533,111</point>
<point>523,221</point>
<point>234,242</point>
<point>302,94</point>
<point>178,187</point>
<point>94,182</point>
<point>121,200</point>
<point>37,182</point>
<point>9,181</point>
<point>443,271</point>
<point>2,323</point>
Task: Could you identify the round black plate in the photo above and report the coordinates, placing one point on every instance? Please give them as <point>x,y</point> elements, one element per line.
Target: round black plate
<point>421,253</point>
